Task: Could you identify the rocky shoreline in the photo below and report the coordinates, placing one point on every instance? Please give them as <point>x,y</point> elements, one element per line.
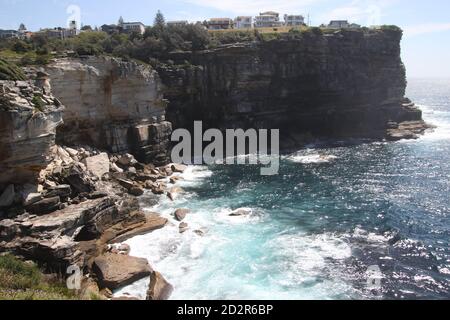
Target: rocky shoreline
<point>73,206</point>
<point>84,206</point>
<point>83,138</point>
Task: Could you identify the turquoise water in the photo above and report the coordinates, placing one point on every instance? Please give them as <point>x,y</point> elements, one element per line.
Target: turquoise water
<point>317,227</point>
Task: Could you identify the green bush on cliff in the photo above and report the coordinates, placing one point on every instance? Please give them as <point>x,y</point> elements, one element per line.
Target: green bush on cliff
<point>24,281</point>
<point>10,71</point>
<point>38,103</point>
<point>391,28</point>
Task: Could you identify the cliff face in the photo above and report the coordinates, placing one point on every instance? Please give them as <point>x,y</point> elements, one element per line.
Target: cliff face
<point>112,104</point>
<point>350,83</point>
<point>28,119</point>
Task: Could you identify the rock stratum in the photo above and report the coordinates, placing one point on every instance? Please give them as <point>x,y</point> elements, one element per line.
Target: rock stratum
<point>113,105</point>
<point>339,85</point>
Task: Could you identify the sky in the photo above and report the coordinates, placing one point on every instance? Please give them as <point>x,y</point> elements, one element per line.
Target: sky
<point>425,46</point>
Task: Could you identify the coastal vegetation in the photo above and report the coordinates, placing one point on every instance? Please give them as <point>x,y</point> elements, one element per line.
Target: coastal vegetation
<point>10,71</point>
<point>25,281</point>
<point>153,45</point>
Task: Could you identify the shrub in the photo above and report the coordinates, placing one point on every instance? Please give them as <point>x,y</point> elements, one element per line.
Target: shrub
<point>27,59</point>
<point>23,281</point>
<point>43,59</point>
<point>38,103</point>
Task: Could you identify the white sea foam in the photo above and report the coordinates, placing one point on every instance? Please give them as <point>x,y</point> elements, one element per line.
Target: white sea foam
<point>195,175</point>
<point>312,159</point>
<point>226,216</point>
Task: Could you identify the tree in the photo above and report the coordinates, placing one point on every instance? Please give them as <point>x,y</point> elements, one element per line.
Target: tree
<point>160,22</point>
<point>86,28</point>
<point>121,22</point>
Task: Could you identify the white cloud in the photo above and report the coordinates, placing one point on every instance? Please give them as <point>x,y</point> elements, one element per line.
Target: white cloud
<point>254,7</point>
<point>416,30</point>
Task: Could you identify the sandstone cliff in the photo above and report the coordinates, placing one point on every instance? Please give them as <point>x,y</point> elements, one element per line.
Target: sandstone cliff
<point>112,104</point>
<point>29,117</point>
<point>344,84</point>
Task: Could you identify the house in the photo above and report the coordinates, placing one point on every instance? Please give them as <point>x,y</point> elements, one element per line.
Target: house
<point>294,20</point>
<point>110,28</point>
<point>220,24</point>
<point>338,24</point>
<point>243,22</point>
<point>61,33</point>
<point>130,27</point>
<point>58,33</point>
<point>179,23</point>
<point>6,34</point>
<point>268,19</point>
<point>342,24</point>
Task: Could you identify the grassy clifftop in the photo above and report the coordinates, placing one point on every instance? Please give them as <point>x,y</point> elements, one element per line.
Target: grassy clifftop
<point>10,71</point>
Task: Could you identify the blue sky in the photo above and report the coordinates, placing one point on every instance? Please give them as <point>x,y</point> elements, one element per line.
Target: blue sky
<point>426,45</point>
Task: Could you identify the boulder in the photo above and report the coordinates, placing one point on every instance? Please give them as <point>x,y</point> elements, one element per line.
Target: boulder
<point>180,168</point>
<point>115,271</point>
<point>79,180</point>
<point>124,249</point>
<point>44,206</point>
<point>200,233</point>
<point>127,160</point>
<point>32,198</point>
<point>7,197</point>
<point>62,191</point>
<point>159,288</point>
<point>115,168</point>
<point>136,191</point>
<point>72,152</point>
<point>127,184</point>
<point>180,214</point>
<point>241,212</point>
<point>98,165</point>
<point>64,155</point>
<point>184,227</point>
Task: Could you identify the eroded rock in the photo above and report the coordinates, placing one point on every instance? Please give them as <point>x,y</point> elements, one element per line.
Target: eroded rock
<point>159,288</point>
<point>115,271</point>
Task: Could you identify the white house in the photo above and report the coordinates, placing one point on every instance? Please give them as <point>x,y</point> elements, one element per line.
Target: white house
<point>243,22</point>
<point>294,20</point>
<point>268,19</point>
<point>133,27</point>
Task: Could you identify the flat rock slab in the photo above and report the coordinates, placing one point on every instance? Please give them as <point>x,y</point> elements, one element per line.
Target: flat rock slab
<point>115,271</point>
<point>98,165</point>
<point>72,217</point>
<point>153,222</point>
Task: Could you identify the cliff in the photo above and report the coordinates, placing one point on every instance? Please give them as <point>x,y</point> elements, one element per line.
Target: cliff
<point>336,85</point>
<point>29,117</point>
<point>113,105</point>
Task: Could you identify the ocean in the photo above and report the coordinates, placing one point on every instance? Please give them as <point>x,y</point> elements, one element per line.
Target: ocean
<point>317,228</point>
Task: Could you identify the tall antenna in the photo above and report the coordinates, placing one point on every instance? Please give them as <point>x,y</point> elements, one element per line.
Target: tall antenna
<point>309,20</point>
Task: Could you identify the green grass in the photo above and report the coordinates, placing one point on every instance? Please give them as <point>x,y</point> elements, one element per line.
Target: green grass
<point>10,71</point>
<point>23,281</point>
